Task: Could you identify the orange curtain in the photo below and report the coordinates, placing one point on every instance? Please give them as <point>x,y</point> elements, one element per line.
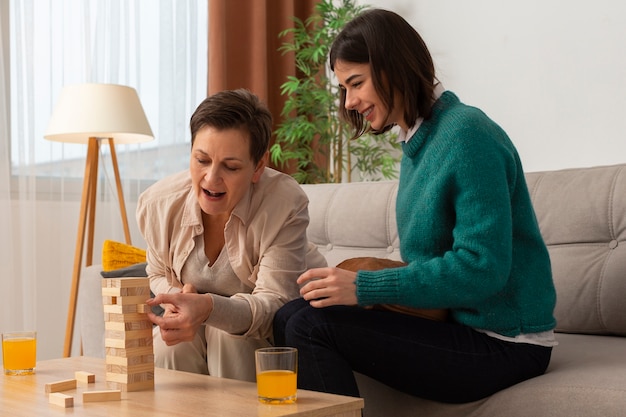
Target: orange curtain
<point>243,46</point>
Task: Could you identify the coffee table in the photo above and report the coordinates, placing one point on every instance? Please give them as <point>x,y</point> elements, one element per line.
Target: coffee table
<point>175,394</point>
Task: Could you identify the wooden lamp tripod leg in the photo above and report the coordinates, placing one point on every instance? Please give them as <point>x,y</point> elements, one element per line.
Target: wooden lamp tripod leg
<point>87,207</point>
<point>120,194</point>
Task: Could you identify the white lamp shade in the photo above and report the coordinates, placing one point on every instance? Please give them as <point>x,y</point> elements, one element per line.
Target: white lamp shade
<point>98,110</point>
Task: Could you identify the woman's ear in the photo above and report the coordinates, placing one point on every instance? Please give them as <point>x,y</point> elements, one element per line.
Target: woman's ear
<point>260,167</point>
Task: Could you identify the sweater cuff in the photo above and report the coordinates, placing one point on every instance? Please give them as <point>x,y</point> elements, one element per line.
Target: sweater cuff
<point>376,287</point>
<point>229,314</point>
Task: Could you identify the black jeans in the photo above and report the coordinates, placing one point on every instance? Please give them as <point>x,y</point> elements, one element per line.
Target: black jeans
<point>446,362</point>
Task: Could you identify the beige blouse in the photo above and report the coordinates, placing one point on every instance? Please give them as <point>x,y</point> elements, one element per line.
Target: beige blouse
<point>266,247</point>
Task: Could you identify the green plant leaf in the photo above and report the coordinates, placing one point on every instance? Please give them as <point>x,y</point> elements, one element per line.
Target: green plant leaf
<point>311,135</point>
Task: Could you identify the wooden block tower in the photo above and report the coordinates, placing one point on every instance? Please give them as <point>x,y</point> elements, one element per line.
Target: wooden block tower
<point>128,334</point>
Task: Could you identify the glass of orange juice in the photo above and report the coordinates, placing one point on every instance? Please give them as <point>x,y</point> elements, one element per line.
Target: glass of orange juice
<point>277,374</point>
<point>19,352</point>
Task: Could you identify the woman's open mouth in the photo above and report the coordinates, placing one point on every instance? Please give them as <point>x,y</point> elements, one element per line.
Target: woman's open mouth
<point>213,194</point>
<point>367,112</point>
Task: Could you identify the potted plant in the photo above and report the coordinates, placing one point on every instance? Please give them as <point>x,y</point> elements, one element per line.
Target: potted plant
<point>311,138</point>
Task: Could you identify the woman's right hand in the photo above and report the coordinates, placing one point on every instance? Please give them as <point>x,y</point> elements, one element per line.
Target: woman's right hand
<point>184,314</point>
<point>168,308</point>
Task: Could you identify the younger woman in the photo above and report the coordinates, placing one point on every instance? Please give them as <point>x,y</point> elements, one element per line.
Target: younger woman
<point>468,235</point>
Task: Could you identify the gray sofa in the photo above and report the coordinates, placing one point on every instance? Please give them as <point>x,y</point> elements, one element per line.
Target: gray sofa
<point>582,216</point>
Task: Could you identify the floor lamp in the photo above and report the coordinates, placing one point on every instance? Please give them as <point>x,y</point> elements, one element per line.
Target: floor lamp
<point>93,114</point>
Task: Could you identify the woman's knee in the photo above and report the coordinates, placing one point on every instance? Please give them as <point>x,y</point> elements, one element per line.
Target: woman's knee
<point>288,311</point>
<point>288,318</point>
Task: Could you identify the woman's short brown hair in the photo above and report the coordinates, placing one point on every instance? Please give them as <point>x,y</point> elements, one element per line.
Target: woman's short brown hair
<point>234,109</point>
<point>398,58</point>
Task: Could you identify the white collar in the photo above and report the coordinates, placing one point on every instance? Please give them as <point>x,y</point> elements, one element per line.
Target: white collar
<point>405,136</point>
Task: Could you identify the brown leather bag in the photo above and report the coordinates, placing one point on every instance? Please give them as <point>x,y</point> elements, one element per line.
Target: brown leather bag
<point>368,263</point>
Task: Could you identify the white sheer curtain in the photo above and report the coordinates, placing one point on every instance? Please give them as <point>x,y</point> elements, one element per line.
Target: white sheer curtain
<point>156,47</point>
<point>17,311</point>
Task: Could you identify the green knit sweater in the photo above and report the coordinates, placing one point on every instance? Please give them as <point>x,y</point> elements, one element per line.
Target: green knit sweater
<point>467,229</point>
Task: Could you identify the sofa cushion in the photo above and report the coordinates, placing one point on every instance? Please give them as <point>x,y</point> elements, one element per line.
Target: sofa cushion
<point>582,217</point>
<point>136,270</point>
<point>585,378</point>
<point>350,220</point>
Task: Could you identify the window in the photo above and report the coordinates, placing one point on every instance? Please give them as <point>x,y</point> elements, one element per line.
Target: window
<point>157,47</point>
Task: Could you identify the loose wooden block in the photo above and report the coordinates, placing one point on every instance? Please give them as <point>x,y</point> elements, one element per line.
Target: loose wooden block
<point>60,399</point>
<point>83,376</point>
<point>107,395</point>
<point>64,385</point>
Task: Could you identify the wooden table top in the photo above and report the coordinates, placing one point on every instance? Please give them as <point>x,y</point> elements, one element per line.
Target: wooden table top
<point>175,394</point>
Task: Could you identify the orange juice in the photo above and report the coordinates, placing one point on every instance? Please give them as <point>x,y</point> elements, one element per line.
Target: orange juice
<point>19,355</point>
<point>277,386</point>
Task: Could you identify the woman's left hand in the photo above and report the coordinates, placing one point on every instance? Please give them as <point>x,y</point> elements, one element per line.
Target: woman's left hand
<point>324,287</point>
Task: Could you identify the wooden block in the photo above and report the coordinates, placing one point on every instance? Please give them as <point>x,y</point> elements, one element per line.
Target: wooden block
<point>106,395</point>
<point>129,369</point>
<point>121,292</point>
<point>130,378</point>
<point>125,317</point>
<point>63,400</point>
<point>124,300</point>
<point>120,309</point>
<point>131,325</point>
<point>129,361</point>
<point>143,308</point>
<point>129,338</point>
<point>127,343</point>
<point>83,376</point>
<point>134,386</point>
<point>125,282</point>
<point>64,385</point>
<point>128,334</point>
<point>130,352</point>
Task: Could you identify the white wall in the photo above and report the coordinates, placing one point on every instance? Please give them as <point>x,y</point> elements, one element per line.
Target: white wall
<point>551,73</point>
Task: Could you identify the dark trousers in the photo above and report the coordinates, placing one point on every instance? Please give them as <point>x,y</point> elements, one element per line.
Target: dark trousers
<point>441,361</point>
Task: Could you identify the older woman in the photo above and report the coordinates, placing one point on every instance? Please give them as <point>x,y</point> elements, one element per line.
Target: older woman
<point>226,242</point>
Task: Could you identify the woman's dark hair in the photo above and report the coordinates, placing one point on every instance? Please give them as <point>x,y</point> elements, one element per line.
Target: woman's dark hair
<point>234,109</point>
<point>399,61</point>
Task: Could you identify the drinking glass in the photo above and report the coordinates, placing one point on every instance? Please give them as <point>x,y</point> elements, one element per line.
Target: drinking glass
<point>277,374</point>
<point>19,352</point>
